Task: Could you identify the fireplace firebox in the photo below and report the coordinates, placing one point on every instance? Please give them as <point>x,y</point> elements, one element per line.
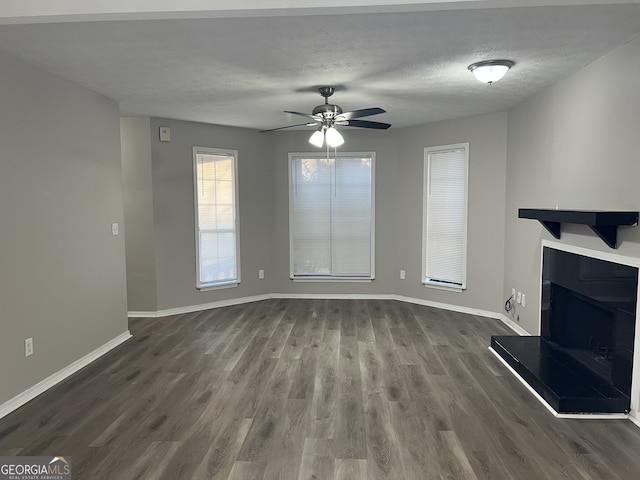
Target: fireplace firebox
<point>583,359</point>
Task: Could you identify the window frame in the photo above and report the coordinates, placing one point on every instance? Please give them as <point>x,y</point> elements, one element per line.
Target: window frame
<point>442,285</point>
<point>331,278</point>
<point>233,154</point>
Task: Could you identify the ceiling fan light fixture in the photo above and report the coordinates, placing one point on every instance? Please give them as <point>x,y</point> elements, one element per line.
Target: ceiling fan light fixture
<point>317,138</point>
<point>490,71</point>
<point>334,139</point>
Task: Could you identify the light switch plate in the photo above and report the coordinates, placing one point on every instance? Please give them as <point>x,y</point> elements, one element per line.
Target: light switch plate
<point>165,134</point>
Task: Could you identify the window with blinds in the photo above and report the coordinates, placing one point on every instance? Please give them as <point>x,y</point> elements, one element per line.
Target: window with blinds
<point>216,200</point>
<point>445,216</point>
<point>331,216</point>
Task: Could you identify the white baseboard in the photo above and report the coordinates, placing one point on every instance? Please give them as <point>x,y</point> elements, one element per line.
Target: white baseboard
<point>447,306</point>
<point>198,308</point>
<point>514,326</point>
<point>336,296</point>
<point>41,387</point>
<point>320,296</point>
<point>327,296</point>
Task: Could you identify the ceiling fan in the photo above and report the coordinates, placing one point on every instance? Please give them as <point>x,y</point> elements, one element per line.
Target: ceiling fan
<point>327,116</point>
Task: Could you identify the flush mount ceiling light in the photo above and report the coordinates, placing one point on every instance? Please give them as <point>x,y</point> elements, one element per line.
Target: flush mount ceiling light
<point>490,71</point>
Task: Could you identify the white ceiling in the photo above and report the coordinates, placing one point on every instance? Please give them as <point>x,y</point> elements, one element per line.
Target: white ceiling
<point>245,69</point>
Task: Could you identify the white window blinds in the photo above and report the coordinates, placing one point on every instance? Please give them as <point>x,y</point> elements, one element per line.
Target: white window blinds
<point>332,216</point>
<point>445,216</point>
<point>216,217</point>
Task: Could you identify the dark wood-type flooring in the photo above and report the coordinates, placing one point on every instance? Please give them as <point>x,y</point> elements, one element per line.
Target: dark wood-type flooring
<point>312,389</point>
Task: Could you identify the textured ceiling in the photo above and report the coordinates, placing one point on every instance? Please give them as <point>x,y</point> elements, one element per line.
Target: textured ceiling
<point>245,71</point>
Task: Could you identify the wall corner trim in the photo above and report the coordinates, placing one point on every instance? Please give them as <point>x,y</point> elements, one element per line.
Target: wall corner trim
<point>41,387</point>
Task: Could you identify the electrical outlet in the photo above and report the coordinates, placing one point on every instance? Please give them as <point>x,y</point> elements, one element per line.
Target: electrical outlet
<point>523,296</point>
<point>513,292</point>
<point>28,347</point>
<point>115,229</point>
<point>260,274</point>
<point>403,274</point>
<point>519,298</point>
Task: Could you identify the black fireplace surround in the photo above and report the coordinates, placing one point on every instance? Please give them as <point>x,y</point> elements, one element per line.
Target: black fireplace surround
<point>582,361</point>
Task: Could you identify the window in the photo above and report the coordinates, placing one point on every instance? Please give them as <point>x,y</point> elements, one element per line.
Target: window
<point>216,198</point>
<point>445,216</point>
<point>331,216</point>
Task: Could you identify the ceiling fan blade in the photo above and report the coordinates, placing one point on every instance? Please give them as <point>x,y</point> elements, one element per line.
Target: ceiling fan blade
<point>308,115</point>
<point>365,112</point>
<point>312,124</point>
<point>366,124</point>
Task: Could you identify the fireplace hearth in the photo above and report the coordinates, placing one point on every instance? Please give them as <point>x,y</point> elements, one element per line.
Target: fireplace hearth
<point>582,361</point>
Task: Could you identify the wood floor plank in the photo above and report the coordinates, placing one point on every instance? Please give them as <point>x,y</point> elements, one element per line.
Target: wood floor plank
<point>350,469</point>
<point>347,319</point>
<point>324,405</point>
<point>404,345</point>
<point>277,341</point>
<point>382,333</point>
<point>286,456</point>
<point>315,466</point>
<point>327,389</point>
<point>383,455</point>
<point>219,459</point>
<point>350,427</point>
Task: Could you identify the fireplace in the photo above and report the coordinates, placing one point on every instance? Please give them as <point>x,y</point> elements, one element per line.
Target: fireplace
<point>582,361</point>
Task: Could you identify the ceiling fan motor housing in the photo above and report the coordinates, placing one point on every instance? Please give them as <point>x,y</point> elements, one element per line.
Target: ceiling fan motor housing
<point>327,116</point>
<point>327,110</point>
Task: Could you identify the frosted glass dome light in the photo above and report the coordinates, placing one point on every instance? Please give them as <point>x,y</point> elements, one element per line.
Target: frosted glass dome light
<point>490,71</point>
<point>334,139</point>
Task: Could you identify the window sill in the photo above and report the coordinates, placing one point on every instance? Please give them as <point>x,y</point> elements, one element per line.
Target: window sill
<point>331,279</point>
<point>441,286</point>
<point>218,286</point>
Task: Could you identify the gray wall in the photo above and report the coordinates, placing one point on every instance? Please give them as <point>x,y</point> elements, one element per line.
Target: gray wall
<point>174,217</point>
<point>487,139</point>
<point>384,145</point>
<point>399,176</point>
<point>62,273</point>
<point>574,145</point>
<point>135,138</point>
<point>264,211</point>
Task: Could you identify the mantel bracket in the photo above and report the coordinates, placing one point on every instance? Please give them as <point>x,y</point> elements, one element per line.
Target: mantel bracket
<point>552,227</point>
<point>608,234</point>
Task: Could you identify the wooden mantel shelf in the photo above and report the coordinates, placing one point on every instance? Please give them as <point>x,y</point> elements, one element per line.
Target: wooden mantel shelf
<point>604,223</point>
